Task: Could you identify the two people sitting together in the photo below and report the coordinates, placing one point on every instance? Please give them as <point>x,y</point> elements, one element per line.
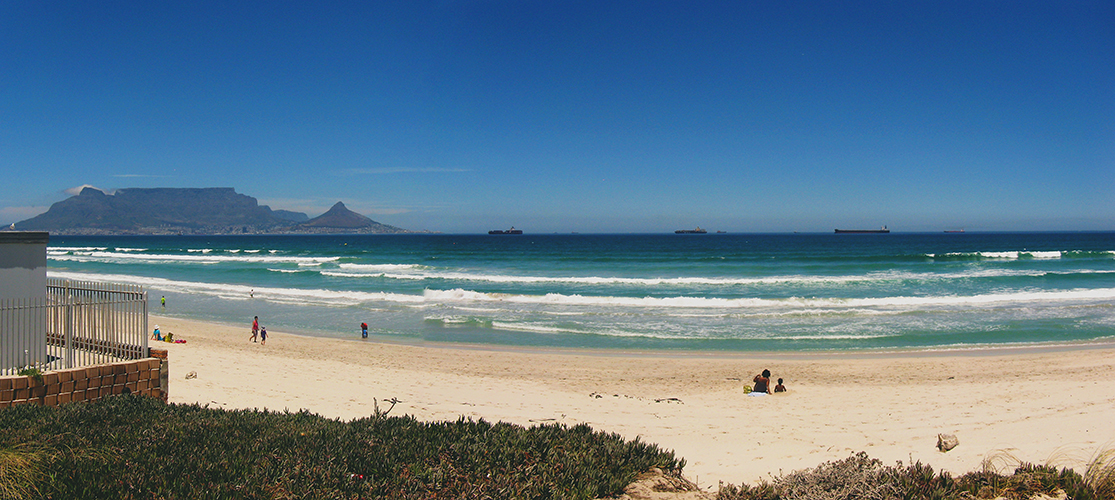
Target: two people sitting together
<point>762,384</point>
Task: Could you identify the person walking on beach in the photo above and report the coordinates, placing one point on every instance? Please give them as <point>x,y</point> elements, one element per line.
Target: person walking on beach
<point>762,382</point>
<point>364,330</point>
<point>263,335</point>
<point>255,329</point>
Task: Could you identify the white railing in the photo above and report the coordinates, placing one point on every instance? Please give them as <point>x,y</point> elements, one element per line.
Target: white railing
<point>77,324</point>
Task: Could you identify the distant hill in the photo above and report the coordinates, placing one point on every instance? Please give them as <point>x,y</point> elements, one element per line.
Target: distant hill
<point>341,219</point>
<point>188,211</point>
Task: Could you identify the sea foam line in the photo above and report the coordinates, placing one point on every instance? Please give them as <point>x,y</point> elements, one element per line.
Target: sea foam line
<point>460,296</point>
<point>420,273</point>
<point>295,296</point>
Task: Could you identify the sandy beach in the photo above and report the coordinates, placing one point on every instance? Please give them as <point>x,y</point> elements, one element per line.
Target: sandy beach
<point>1047,404</point>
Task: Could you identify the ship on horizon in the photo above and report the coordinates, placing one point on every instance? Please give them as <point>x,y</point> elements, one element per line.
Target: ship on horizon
<point>882,230</point>
<point>509,231</point>
<point>698,230</point>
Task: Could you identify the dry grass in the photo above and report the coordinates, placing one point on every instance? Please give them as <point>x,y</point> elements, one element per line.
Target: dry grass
<point>19,466</point>
<point>1099,476</point>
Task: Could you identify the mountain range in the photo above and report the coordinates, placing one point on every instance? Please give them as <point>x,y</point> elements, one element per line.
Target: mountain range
<point>188,211</point>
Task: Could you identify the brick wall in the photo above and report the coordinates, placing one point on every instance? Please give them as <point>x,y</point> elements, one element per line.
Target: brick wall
<point>145,376</point>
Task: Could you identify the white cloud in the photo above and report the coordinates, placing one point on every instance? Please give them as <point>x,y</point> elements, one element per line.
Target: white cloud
<point>316,207</point>
<point>402,170</point>
<point>74,191</point>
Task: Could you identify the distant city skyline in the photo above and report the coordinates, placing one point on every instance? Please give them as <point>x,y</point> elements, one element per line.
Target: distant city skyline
<point>592,117</point>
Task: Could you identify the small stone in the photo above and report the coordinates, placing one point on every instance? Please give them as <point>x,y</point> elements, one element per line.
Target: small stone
<point>946,442</point>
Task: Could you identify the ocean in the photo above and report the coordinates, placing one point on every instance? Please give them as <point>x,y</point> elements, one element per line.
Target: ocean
<point>714,292</point>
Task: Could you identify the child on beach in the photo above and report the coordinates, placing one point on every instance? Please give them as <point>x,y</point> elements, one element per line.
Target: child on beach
<point>263,335</point>
<point>779,387</point>
<point>255,329</point>
<point>364,330</point>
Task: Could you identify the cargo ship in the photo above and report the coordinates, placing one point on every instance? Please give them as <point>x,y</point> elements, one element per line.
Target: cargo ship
<point>691,231</point>
<point>882,230</point>
<point>509,231</point>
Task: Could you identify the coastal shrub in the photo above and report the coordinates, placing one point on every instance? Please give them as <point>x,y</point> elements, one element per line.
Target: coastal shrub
<point>132,446</point>
<point>860,476</point>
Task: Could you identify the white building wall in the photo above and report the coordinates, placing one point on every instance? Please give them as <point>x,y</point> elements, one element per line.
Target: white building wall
<point>22,283</point>
<point>22,265</point>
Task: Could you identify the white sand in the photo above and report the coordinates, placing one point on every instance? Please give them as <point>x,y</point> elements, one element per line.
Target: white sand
<point>1040,405</point>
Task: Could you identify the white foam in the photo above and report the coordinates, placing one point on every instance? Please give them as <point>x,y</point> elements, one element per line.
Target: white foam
<point>241,292</point>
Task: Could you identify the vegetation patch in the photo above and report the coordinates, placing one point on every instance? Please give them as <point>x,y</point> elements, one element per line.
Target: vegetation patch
<point>140,447</point>
<point>862,477</point>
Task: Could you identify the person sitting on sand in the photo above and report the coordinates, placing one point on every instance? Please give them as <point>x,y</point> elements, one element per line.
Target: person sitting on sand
<point>762,383</point>
<point>157,335</point>
<point>779,387</point>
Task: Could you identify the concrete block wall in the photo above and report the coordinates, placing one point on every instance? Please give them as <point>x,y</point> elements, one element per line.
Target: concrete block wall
<point>87,384</point>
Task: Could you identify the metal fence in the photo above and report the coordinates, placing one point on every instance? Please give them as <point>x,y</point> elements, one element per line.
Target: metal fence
<point>77,324</point>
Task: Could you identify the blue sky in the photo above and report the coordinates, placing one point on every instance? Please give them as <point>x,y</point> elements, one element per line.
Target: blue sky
<point>743,116</point>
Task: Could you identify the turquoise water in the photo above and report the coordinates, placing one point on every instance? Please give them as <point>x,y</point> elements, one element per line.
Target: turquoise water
<point>711,292</point>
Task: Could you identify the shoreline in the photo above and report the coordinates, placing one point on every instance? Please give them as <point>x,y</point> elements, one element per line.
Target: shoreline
<point>692,403</point>
<point>865,353</point>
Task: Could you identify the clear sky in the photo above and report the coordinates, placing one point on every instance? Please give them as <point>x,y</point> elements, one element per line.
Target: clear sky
<point>587,116</point>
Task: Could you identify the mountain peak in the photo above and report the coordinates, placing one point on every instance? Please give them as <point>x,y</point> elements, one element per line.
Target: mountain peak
<point>340,217</point>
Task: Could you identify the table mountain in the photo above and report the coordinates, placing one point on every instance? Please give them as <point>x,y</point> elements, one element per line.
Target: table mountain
<point>188,211</point>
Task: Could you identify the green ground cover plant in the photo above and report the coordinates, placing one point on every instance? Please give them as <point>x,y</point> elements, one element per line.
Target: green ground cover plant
<point>861,477</point>
<point>140,447</point>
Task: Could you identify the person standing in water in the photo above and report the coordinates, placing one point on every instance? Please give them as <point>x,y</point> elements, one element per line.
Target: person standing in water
<point>164,301</point>
<point>364,330</point>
